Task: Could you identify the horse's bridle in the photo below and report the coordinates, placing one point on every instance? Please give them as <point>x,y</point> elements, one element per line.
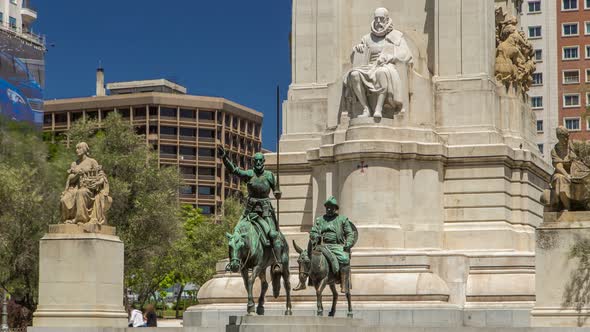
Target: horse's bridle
<point>240,264</point>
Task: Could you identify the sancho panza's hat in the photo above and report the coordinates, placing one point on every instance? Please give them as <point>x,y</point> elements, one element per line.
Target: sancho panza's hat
<point>332,201</point>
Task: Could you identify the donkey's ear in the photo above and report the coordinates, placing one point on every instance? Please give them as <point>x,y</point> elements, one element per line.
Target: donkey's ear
<point>228,236</point>
<point>297,248</point>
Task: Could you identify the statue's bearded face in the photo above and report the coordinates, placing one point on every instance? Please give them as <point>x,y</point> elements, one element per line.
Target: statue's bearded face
<point>330,210</point>
<point>381,19</point>
<point>258,162</point>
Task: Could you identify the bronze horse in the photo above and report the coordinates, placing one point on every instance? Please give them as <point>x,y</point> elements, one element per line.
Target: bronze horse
<point>246,252</point>
<point>318,270</point>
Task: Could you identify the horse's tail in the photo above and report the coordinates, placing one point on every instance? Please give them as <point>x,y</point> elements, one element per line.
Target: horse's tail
<point>276,284</point>
<point>284,261</point>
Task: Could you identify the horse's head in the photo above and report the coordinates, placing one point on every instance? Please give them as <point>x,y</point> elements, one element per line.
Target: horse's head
<point>237,245</point>
<point>304,264</point>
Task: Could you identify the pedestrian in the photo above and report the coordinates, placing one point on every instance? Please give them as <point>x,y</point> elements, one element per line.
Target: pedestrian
<point>136,318</point>
<point>150,316</point>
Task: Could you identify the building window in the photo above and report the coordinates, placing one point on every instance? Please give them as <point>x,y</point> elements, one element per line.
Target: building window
<point>538,79</point>
<point>587,51</point>
<point>571,76</point>
<point>206,190</point>
<point>571,53</point>
<point>569,29</point>
<point>206,116</point>
<point>587,75</point>
<point>572,124</point>
<point>537,102</point>
<point>571,100</point>
<point>534,6</point>
<point>587,4</point>
<point>535,32</point>
<point>206,209</point>
<point>1,17</point>
<point>538,56</point>
<point>587,99</point>
<point>539,126</point>
<point>569,4</point>
<point>168,112</point>
<point>12,22</point>
<point>587,27</point>
<point>540,147</point>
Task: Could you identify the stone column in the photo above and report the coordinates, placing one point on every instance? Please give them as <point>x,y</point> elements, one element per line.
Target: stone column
<point>80,278</point>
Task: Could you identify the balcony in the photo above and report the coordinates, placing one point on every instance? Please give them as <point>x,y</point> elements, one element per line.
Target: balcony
<point>207,197</point>
<point>189,176</point>
<point>168,137</point>
<point>187,196</point>
<point>168,156</point>
<point>188,138</point>
<point>206,177</point>
<point>28,14</point>
<point>188,157</point>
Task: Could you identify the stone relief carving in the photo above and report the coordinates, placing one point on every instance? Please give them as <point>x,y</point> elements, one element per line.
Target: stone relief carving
<point>379,77</point>
<point>85,199</point>
<point>515,62</point>
<point>571,180</point>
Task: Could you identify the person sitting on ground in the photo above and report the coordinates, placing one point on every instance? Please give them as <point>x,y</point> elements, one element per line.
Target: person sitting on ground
<point>150,317</point>
<point>136,318</point>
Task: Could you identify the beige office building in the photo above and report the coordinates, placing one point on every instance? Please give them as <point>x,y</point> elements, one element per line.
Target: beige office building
<point>184,129</point>
<point>539,20</point>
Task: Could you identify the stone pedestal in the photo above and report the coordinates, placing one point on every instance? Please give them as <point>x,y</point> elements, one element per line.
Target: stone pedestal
<point>563,270</point>
<point>80,278</point>
<point>292,323</point>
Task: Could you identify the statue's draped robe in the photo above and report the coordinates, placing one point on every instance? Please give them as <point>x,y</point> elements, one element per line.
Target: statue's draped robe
<point>397,54</point>
<point>86,199</point>
<point>560,183</point>
<point>335,234</point>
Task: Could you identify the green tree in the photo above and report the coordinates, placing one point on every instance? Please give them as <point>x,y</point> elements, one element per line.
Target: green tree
<point>145,206</point>
<point>202,245</point>
<point>29,194</point>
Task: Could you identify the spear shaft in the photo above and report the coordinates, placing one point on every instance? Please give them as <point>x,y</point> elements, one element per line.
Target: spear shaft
<point>278,152</point>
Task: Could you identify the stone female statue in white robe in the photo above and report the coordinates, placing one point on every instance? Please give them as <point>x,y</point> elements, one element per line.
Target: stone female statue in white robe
<point>382,80</point>
<point>86,198</point>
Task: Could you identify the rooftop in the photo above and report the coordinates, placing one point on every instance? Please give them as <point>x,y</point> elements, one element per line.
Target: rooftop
<point>148,98</point>
<point>159,85</point>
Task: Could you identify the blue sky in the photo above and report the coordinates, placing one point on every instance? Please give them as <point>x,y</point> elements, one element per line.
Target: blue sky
<point>234,49</point>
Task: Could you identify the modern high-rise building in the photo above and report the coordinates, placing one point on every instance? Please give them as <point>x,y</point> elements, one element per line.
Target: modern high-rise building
<point>185,130</point>
<point>538,19</point>
<point>573,65</point>
<point>22,62</point>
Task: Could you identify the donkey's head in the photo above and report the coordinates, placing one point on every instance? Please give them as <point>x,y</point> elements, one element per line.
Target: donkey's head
<point>304,265</point>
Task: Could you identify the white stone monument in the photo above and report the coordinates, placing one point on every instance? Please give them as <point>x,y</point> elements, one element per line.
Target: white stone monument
<point>443,182</point>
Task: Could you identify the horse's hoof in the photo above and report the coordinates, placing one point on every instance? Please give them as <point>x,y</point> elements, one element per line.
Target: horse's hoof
<point>320,313</point>
<point>331,314</point>
<point>260,311</point>
<point>289,313</point>
<point>349,315</point>
<point>251,314</point>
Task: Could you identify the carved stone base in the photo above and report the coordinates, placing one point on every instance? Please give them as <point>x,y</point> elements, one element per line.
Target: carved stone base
<point>561,278</point>
<point>80,279</point>
<point>81,229</point>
